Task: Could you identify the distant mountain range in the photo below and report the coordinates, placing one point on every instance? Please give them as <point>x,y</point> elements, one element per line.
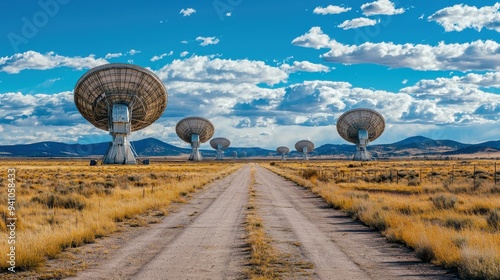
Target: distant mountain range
<point>149,147</point>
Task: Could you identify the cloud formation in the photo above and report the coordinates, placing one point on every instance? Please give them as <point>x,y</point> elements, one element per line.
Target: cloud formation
<point>230,92</point>
<point>357,23</point>
<point>315,39</point>
<point>161,56</point>
<point>205,41</point>
<point>113,55</point>
<point>133,52</point>
<point>304,66</point>
<point>380,7</point>
<point>476,55</point>
<point>32,60</point>
<point>205,69</point>
<point>187,12</point>
<point>330,10</point>
<point>460,17</point>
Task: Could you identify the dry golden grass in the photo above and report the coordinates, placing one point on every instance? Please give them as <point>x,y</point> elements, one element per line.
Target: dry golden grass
<point>445,211</point>
<point>63,204</point>
<point>264,258</point>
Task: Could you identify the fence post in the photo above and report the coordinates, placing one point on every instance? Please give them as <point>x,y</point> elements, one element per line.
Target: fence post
<point>420,176</point>
<point>452,174</point>
<point>432,175</point>
<point>474,176</point>
<point>495,174</point>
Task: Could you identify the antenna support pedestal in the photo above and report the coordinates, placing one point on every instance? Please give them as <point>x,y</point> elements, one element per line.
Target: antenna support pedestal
<point>304,152</point>
<point>195,144</point>
<point>120,151</point>
<point>362,154</point>
<point>220,153</point>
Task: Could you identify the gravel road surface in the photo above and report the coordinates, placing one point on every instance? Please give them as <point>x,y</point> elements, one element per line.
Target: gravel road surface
<point>204,239</point>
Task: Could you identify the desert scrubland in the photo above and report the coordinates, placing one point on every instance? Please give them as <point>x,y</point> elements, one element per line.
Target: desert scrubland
<point>447,211</point>
<point>62,204</point>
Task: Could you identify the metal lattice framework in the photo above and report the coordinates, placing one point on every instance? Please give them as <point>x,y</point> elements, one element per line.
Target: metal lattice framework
<point>282,150</point>
<point>351,122</point>
<point>299,146</point>
<point>138,88</point>
<point>221,142</point>
<point>186,127</point>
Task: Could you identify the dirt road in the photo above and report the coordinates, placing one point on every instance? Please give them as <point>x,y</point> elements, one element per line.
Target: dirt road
<point>205,238</point>
<point>202,240</point>
<point>305,226</point>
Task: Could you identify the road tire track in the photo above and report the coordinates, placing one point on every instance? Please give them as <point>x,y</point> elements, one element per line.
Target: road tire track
<point>202,239</point>
<point>338,247</point>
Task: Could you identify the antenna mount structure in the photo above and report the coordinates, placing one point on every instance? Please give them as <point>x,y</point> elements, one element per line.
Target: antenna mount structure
<point>361,126</point>
<point>120,98</point>
<point>220,144</point>
<point>195,130</point>
<point>305,147</point>
<point>283,151</point>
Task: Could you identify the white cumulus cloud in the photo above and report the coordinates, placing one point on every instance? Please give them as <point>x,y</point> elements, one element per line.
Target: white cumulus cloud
<point>133,52</point>
<point>380,7</point>
<point>460,17</point>
<point>205,41</point>
<point>187,12</point>
<point>113,55</point>
<point>315,38</point>
<point>330,10</point>
<point>304,66</point>
<point>357,23</point>
<point>205,69</point>
<point>476,55</point>
<point>37,61</point>
<point>158,57</point>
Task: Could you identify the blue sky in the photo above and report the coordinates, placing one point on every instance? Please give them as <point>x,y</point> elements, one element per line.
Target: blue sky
<point>267,73</point>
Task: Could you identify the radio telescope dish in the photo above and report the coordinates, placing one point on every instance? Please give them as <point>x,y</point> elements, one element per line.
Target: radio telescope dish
<point>304,146</point>
<point>361,126</point>
<point>220,144</point>
<point>120,98</point>
<point>234,154</point>
<point>195,130</point>
<point>283,151</point>
<point>243,154</point>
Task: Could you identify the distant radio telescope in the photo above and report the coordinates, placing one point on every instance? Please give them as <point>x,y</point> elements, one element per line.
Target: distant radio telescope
<point>361,126</point>
<point>304,146</point>
<point>195,130</point>
<point>243,154</point>
<point>120,98</point>
<point>220,144</point>
<point>283,151</point>
<point>234,154</point>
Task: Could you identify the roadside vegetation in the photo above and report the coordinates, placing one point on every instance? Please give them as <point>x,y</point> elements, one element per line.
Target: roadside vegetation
<point>448,212</point>
<point>264,259</point>
<point>62,204</point>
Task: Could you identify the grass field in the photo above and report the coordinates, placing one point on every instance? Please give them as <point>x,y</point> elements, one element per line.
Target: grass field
<point>447,211</point>
<point>61,204</point>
